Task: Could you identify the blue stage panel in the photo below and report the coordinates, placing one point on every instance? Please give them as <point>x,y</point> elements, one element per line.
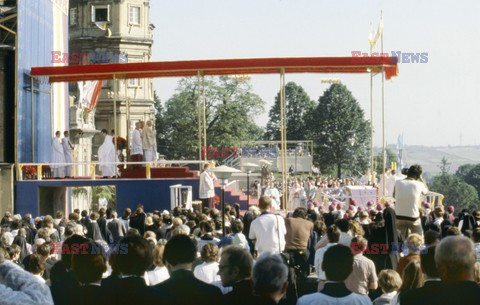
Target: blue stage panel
<point>154,194</point>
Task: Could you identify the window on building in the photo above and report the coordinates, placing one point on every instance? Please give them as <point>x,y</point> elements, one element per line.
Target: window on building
<point>73,16</point>
<point>133,82</point>
<point>134,14</point>
<point>100,13</point>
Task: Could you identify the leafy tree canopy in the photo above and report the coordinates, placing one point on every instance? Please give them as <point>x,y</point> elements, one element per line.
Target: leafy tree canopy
<point>456,191</point>
<point>230,109</point>
<point>297,104</point>
<point>340,132</point>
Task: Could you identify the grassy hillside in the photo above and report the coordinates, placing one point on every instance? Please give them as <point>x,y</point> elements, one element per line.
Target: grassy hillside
<point>429,157</point>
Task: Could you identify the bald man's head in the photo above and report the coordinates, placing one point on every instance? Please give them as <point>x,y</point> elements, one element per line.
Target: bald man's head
<point>455,258</point>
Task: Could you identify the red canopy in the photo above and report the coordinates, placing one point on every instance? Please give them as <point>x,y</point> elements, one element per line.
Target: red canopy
<point>219,67</point>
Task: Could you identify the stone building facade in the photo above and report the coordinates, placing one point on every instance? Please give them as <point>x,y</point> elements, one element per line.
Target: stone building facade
<point>109,31</point>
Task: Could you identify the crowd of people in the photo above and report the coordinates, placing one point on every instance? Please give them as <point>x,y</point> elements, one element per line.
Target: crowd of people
<point>309,256</point>
<point>305,191</point>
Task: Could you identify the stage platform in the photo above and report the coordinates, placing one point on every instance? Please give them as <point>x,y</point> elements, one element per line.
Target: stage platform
<point>41,197</point>
<point>153,193</point>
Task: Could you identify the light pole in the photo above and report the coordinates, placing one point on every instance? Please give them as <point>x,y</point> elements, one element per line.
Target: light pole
<point>249,168</point>
<point>223,173</point>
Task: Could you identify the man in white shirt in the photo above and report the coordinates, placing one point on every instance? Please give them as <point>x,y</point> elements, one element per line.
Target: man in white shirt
<point>407,195</point>
<point>345,238</point>
<point>333,235</point>
<point>267,231</point>
<point>136,152</point>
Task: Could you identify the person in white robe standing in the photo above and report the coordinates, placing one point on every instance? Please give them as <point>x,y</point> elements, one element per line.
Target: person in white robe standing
<point>136,152</point>
<point>67,151</point>
<point>273,193</point>
<point>382,191</point>
<point>297,197</point>
<point>106,156</point>
<point>57,156</point>
<point>149,142</point>
<point>391,183</point>
<point>207,187</point>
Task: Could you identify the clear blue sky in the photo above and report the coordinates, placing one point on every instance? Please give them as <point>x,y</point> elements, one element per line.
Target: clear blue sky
<point>435,103</point>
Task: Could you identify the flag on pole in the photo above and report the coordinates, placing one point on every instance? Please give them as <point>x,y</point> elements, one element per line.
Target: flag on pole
<point>371,35</point>
<point>374,36</point>
<point>89,94</point>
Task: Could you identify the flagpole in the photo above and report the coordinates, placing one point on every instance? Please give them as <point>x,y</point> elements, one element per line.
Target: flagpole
<point>372,167</point>
<point>383,107</point>
<point>199,127</point>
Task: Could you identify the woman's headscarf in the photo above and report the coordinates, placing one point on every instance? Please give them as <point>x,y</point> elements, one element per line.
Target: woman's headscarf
<point>390,225</point>
<point>22,243</point>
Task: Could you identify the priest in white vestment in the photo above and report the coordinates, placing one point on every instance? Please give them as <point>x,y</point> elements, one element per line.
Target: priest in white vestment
<point>297,197</point>
<point>106,154</point>
<point>58,156</point>
<point>207,187</point>
<point>273,193</point>
<point>67,151</point>
<point>149,142</point>
<point>136,152</point>
<point>382,191</point>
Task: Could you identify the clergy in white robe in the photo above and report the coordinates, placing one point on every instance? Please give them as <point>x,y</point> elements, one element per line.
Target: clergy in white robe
<point>273,193</point>
<point>58,156</point>
<point>149,142</point>
<point>67,151</point>
<point>383,184</point>
<point>297,197</point>
<point>206,190</point>
<point>136,152</point>
<point>106,156</point>
<point>391,183</point>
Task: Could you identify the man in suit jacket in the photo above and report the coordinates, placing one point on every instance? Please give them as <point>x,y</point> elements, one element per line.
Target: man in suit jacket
<point>88,266</point>
<point>63,280</point>
<point>93,230</point>
<point>116,228</point>
<point>102,224</point>
<point>432,285</point>
<point>235,270</point>
<point>179,254</point>
<point>132,260</point>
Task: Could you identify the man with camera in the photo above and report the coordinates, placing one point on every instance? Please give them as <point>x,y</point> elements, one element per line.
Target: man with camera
<point>407,194</point>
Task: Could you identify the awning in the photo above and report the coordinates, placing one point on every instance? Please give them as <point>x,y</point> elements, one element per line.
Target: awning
<point>219,67</point>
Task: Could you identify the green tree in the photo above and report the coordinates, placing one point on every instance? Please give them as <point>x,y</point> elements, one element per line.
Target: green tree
<point>463,170</point>
<point>340,132</point>
<point>456,191</point>
<point>160,123</point>
<point>473,177</point>
<point>230,109</point>
<point>297,104</point>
